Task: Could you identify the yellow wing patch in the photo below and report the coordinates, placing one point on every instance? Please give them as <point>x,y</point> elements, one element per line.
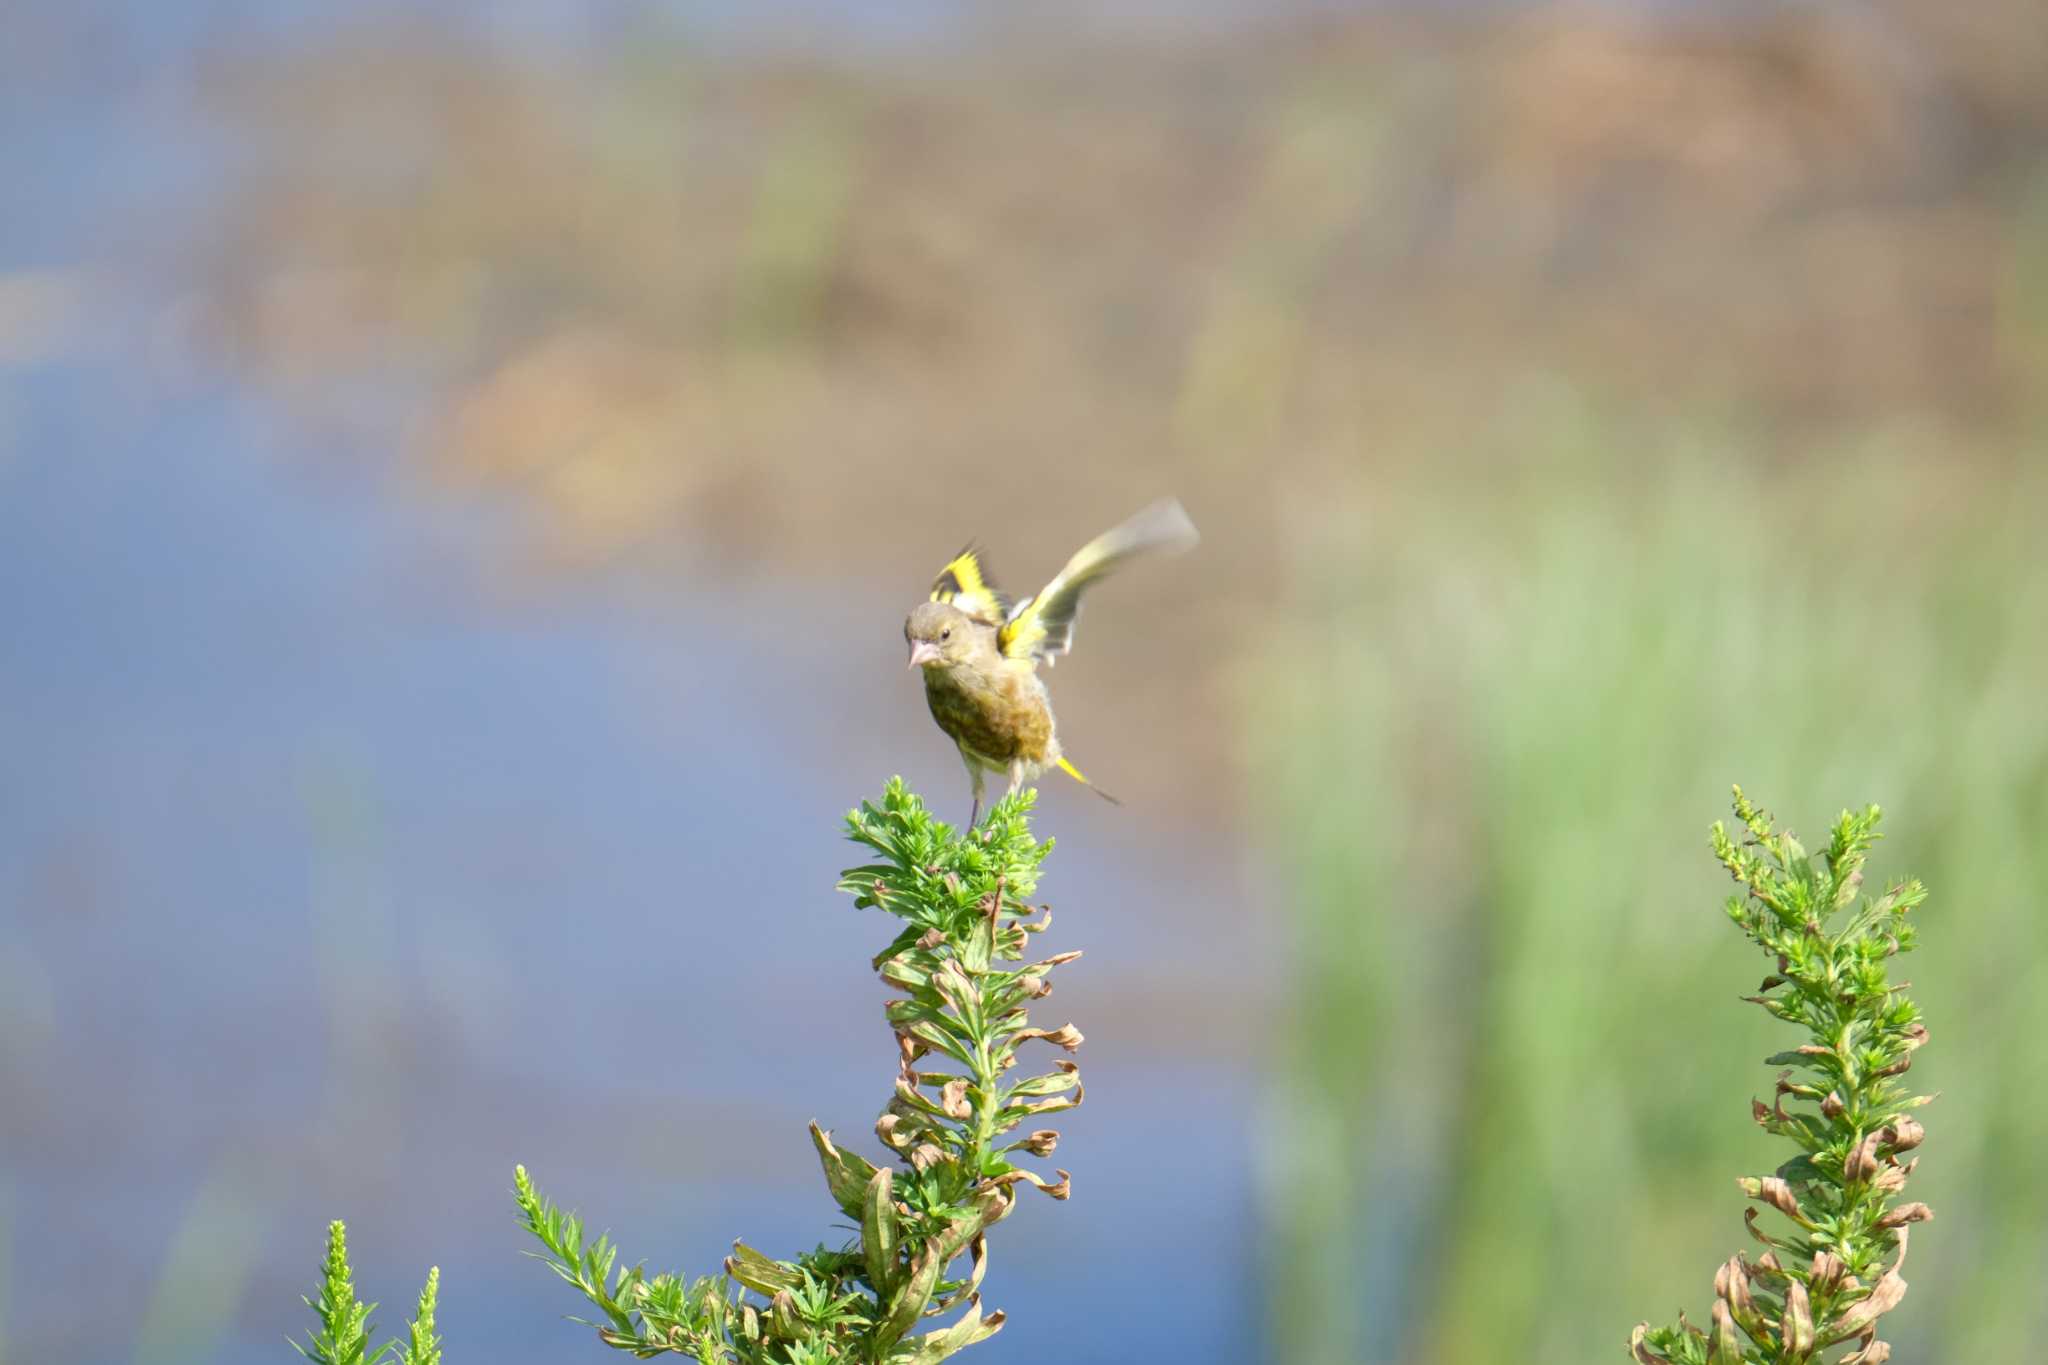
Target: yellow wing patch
<point>965,584</point>
<point>1023,636</point>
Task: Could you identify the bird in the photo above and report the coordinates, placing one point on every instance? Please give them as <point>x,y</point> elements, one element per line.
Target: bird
<point>980,652</point>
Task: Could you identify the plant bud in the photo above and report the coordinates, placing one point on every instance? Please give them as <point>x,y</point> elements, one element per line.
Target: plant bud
<point>1904,1214</point>
<point>1832,1106</point>
<point>1774,1191</point>
<point>1903,1134</point>
<point>1731,1286</point>
<point>1065,1036</point>
<point>782,1317</point>
<point>896,1127</point>
<point>1864,1313</point>
<point>1796,1327</point>
<point>1723,1347</point>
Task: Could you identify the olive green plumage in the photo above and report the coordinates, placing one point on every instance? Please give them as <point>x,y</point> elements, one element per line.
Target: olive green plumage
<point>980,654</point>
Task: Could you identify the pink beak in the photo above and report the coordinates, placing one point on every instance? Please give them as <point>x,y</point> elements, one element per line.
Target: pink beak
<point>923,652</point>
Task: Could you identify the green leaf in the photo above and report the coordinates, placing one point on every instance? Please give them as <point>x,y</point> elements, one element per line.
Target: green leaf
<point>878,1232</point>
<point>846,1174</point>
<point>933,1347</point>
<point>759,1273</point>
<point>908,1302</point>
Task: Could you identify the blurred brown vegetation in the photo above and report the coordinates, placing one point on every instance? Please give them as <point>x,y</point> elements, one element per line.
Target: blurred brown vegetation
<point>648,288</point>
<point>780,309</point>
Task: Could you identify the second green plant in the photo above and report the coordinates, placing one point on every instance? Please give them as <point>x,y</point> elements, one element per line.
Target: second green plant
<point>1826,1281</point>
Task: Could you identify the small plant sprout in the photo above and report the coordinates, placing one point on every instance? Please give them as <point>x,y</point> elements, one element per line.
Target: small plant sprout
<point>1825,1280</point>
<point>345,1326</point>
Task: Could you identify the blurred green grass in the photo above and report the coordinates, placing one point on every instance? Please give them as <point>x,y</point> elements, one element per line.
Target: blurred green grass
<point>1511,703</point>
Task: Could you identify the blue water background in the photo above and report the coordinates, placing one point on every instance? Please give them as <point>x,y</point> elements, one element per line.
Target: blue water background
<point>336,875</point>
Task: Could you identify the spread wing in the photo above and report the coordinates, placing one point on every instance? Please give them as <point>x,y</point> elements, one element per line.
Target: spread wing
<point>1042,626</point>
<point>965,584</point>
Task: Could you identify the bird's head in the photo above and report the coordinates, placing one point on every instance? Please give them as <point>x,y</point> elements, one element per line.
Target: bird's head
<point>939,634</point>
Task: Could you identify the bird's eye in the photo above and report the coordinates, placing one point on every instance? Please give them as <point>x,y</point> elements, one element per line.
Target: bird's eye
<point>946,634</point>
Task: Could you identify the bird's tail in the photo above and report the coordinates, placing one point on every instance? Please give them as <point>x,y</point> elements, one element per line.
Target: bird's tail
<point>1071,771</point>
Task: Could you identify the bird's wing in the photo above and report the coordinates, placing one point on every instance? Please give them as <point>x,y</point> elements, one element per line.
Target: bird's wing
<point>965,584</point>
<point>1042,626</point>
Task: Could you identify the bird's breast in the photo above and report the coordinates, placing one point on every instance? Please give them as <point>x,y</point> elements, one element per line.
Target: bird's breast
<point>1000,714</point>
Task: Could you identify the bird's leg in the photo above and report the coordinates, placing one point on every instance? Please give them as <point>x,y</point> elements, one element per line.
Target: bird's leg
<point>1016,776</point>
<point>977,776</point>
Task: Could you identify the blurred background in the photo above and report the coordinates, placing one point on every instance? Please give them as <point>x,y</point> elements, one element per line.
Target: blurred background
<point>463,468</point>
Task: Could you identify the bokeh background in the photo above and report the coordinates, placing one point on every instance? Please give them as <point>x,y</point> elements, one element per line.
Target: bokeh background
<point>462,468</point>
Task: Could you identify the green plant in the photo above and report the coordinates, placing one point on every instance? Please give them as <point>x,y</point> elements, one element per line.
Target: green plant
<point>963,903</point>
<point>1829,1280</point>
<point>345,1326</point>
<point>963,900</point>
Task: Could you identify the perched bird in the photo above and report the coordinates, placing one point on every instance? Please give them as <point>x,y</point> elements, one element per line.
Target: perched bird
<point>980,654</point>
